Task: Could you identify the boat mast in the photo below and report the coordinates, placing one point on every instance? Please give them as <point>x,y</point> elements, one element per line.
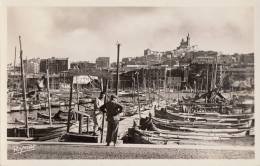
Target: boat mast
<point>158,88</point>
<point>80,116</point>
<point>215,74</point>
<point>207,84</point>
<point>144,80</point>
<point>170,76</point>
<point>212,75</point>
<point>117,68</point>
<point>70,102</point>
<point>24,89</point>
<point>207,81</point>
<point>48,92</point>
<point>133,88</point>
<point>165,81</point>
<point>148,77</point>
<point>138,95</point>
<point>14,58</point>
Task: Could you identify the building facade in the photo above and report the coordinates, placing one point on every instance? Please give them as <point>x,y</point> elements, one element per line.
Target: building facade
<point>103,62</point>
<point>55,65</point>
<point>32,66</point>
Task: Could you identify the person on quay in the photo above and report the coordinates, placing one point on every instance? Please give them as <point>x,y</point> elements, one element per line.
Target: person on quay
<point>113,110</point>
<point>97,114</point>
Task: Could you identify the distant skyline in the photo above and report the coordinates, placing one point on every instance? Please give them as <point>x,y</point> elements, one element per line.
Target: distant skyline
<point>85,33</point>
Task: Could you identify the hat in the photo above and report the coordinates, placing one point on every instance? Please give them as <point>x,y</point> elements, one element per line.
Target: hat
<point>113,96</point>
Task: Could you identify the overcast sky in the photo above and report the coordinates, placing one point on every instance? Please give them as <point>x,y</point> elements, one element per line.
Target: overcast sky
<point>87,33</point>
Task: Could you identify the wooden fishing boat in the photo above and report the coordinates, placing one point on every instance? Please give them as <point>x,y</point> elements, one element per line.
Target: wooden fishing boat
<point>239,116</point>
<point>203,117</point>
<point>204,130</point>
<point>55,104</point>
<point>189,133</point>
<point>130,111</point>
<point>42,115</point>
<point>34,107</point>
<point>207,114</point>
<point>44,105</point>
<point>38,131</point>
<point>17,107</point>
<point>174,124</point>
<point>85,100</point>
<point>181,136</point>
<point>66,103</point>
<point>167,137</point>
<point>173,108</point>
<point>59,116</point>
<point>137,136</point>
<point>161,137</point>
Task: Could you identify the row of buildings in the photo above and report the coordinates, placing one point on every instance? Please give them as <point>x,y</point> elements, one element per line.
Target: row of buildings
<point>180,68</point>
<point>57,65</point>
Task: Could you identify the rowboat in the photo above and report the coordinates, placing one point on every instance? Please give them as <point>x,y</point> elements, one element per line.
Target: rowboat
<point>201,134</point>
<point>130,111</point>
<point>143,137</point>
<point>169,135</point>
<point>204,130</point>
<point>164,137</point>
<point>241,116</point>
<point>55,104</point>
<point>17,107</point>
<point>173,124</point>
<point>43,116</point>
<point>19,121</point>
<point>221,118</point>
<point>34,106</point>
<point>85,100</point>
<point>173,108</point>
<point>59,116</point>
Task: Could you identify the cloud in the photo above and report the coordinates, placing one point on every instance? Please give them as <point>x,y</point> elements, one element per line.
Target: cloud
<point>87,33</point>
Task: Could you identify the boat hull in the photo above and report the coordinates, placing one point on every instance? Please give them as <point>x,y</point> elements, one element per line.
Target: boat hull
<point>39,132</point>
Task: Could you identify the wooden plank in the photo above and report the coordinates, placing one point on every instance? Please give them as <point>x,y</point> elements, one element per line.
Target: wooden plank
<point>81,113</point>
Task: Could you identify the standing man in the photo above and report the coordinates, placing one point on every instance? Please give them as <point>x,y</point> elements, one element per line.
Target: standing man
<point>113,109</point>
<point>97,114</point>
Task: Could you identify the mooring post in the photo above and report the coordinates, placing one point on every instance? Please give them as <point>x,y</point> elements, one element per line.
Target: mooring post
<point>80,123</point>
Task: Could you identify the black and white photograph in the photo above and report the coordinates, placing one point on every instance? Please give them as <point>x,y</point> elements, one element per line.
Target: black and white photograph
<point>130,82</point>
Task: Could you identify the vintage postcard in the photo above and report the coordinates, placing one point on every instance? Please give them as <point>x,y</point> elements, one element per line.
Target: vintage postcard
<point>98,82</point>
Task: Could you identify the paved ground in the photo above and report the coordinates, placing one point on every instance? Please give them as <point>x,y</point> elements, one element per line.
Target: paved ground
<point>54,150</point>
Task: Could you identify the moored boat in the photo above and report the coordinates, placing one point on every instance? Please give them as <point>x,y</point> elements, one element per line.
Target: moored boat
<point>174,124</point>
<point>38,131</point>
<point>211,117</point>
<point>17,107</point>
<point>34,106</point>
